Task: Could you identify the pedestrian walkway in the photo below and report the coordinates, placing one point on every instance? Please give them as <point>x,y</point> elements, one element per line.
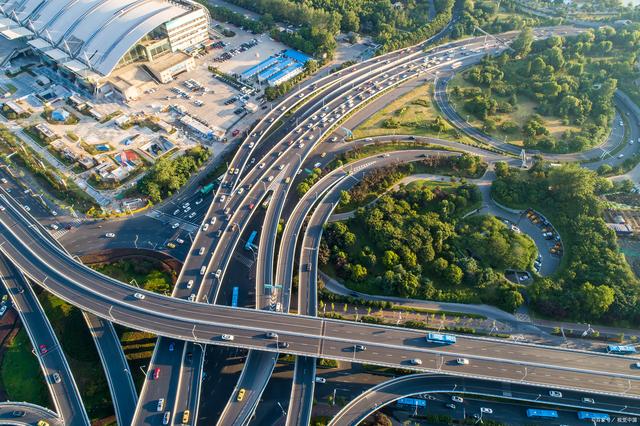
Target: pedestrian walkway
<point>59,233</point>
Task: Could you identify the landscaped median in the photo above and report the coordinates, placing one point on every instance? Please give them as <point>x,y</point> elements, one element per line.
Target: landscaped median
<point>416,242</point>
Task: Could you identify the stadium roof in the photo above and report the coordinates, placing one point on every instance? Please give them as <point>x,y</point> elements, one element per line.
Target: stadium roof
<point>96,32</point>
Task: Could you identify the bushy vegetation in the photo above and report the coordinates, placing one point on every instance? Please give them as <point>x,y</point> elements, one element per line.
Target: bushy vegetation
<point>596,283</point>
<point>412,243</point>
<point>572,78</point>
<point>147,273</point>
<point>169,174</point>
<point>319,21</point>
<point>486,15</point>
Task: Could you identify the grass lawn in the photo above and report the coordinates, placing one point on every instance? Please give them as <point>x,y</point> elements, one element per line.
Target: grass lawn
<point>82,355</point>
<point>21,375</point>
<point>414,112</point>
<point>525,109</point>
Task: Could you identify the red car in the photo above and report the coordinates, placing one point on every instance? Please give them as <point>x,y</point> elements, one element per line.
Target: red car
<point>235,132</point>
<point>156,374</point>
<point>43,349</point>
<point>251,206</point>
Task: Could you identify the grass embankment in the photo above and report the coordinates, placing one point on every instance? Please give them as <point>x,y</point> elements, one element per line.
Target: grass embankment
<point>20,373</point>
<point>410,114</point>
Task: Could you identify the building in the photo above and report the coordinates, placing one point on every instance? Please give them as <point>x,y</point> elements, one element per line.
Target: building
<point>277,69</point>
<point>86,40</point>
<point>206,132</point>
<point>45,132</point>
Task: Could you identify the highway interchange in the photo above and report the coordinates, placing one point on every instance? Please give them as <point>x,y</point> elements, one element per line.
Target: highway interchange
<point>187,325</point>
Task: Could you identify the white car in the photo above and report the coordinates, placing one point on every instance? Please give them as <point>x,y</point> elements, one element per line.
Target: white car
<point>456,398</point>
<point>227,337</point>
<point>486,410</point>
<point>321,380</point>
<point>175,225</point>
<point>462,361</point>
<point>27,208</point>
<point>222,198</point>
<point>139,296</point>
<point>416,361</point>
<point>160,404</point>
<point>555,394</point>
<point>192,215</point>
<point>588,400</point>
<point>218,273</point>
<point>3,309</point>
<point>192,297</point>
<point>261,166</point>
<point>110,235</point>
<point>270,178</point>
<point>54,227</point>
<point>189,283</point>
<point>56,378</point>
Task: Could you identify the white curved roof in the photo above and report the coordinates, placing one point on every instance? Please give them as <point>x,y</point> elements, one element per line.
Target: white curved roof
<point>97,32</point>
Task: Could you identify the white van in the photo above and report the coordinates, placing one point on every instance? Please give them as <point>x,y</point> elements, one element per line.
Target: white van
<point>203,270</point>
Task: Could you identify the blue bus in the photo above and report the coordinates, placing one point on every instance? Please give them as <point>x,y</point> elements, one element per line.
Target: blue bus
<point>445,339</point>
<point>597,417</point>
<point>234,297</point>
<point>542,414</point>
<point>249,243</point>
<point>621,349</point>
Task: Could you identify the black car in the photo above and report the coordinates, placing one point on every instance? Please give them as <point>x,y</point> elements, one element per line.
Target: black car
<point>283,345</point>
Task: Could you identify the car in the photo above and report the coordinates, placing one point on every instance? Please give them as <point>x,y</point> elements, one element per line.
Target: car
<point>42,423</point>
<point>317,165</point>
<point>462,361</point>
<point>3,309</point>
<point>212,221</point>
<point>360,348</point>
<point>452,406</point>
<point>251,206</point>
<point>456,398</point>
<point>171,245</point>
<point>185,417</point>
<point>53,226</point>
<point>56,378</point>
<point>166,417</point>
<point>18,413</point>
<point>555,394</point>
<point>175,225</point>
<point>27,208</point>
<point>324,154</point>
<point>281,167</point>
<point>619,156</point>
<point>261,166</point>
<point>187,210</point>
<point>2,208</point>
<point>227,337</point>
<point>321,380</point>
<point>156,373</point>
<point>218,273</point>
<point>271,335</point>
<point>43,349</point>
<point>222,198</point>
<point>241,393</point>
<point>283,345</point>
<point>4,180</point>
<point>176,211</point>
<point>192,297</point>
<point>205,227</point>
<point>203,269</point>
<point>415,361</point>
<point>179,241</point>
<point>139,296</point>
<point>270,178</point>
<point>334,139</point>
<point>588,400</point>
<point>486,410</point>
<point>160,406</point>
<point>198,201</point>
